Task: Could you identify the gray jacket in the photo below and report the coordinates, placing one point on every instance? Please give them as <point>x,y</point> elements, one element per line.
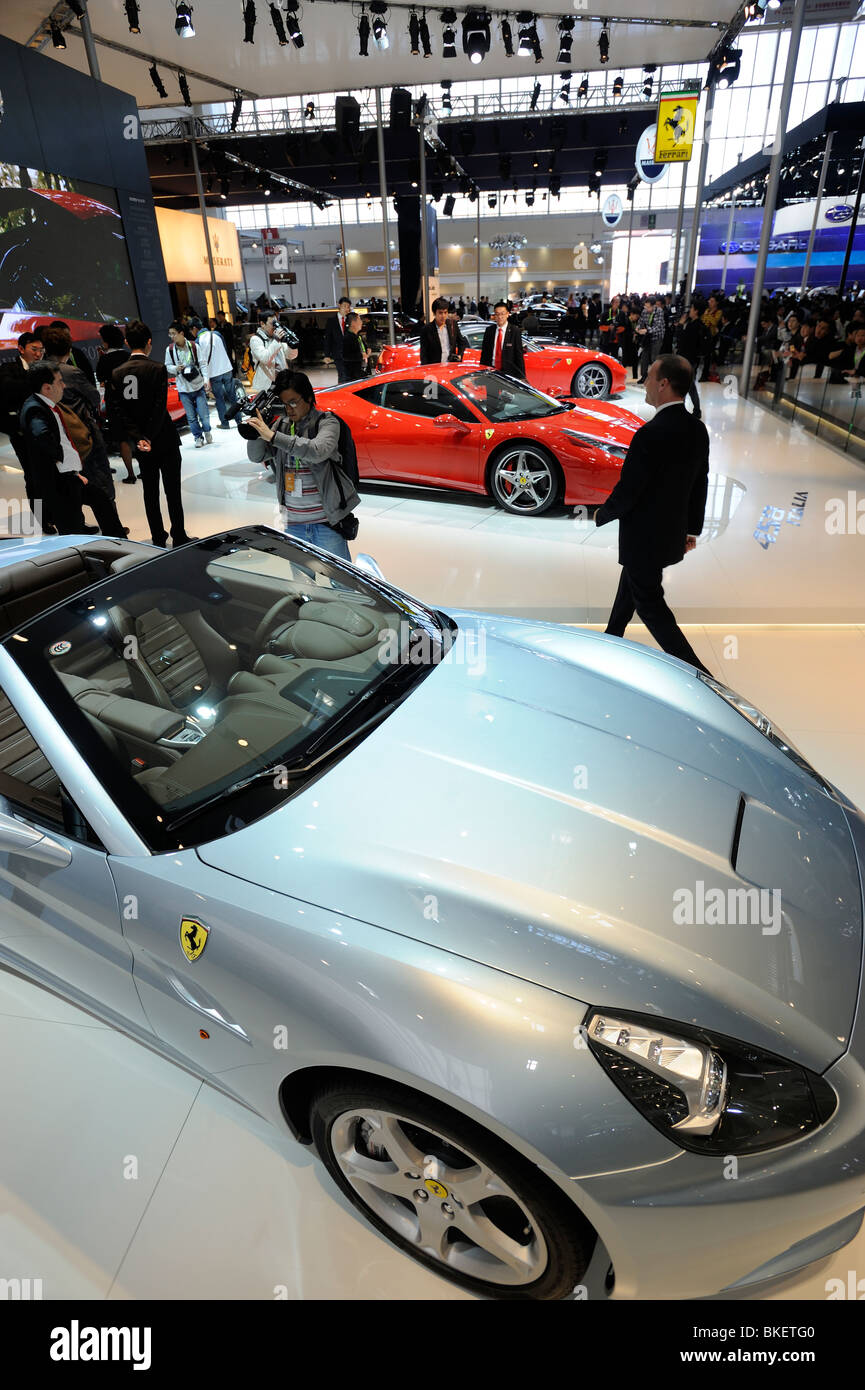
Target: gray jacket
<point>320,454</point>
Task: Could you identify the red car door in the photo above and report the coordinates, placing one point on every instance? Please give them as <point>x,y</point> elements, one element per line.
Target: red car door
<point>410,447</point>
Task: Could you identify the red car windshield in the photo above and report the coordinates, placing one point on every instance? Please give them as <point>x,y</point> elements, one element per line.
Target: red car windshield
<point>503,398</point>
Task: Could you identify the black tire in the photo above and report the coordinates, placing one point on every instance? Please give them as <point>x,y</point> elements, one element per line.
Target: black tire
<point>556,489</point>
<point>596,370</point>
<point>567,1237</point>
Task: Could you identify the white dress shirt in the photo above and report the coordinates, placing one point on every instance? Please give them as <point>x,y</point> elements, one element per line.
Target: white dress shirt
<point>71,462</point>
<point>445,341</point>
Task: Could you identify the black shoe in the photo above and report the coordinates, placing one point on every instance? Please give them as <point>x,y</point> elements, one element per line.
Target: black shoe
<point>133,479</point>
<point>163,544</point>
<point>90,530</point>
<point>125,530</point>
<point>184,540</point>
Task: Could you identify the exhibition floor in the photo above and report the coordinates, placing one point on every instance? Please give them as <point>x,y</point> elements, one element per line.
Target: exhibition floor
<point>122,1176</point>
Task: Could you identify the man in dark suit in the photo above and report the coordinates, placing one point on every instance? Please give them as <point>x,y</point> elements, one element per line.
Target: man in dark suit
<point>659,502</point>
<point>141,391</point>
<point>441,340</point>
<point>334,336</point>
<point>14,391</point>
<point>502,346</point>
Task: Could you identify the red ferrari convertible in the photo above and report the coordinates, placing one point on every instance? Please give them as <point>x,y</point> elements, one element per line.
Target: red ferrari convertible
<point>564,370</point>
<point>480,431</point>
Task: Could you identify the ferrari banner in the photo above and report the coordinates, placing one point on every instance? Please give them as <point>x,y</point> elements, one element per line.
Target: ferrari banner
<point>677,116</point>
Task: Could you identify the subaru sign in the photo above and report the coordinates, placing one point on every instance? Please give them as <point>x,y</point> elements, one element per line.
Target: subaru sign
<point>841,212</point>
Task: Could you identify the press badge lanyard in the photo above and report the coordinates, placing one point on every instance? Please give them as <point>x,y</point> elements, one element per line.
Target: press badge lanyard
<point>292,479</point>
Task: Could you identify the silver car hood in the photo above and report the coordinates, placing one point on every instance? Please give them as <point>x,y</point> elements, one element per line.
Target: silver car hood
<point>544,802</point>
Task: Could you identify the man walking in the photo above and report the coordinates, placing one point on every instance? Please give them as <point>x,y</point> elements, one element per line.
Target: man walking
<point>225,329</point>
<point>215,364</point>
<point>659,502</point>
<point>335,335</point>
<point>141,388</point>
<point>502,347</point>
<point>182,363</point>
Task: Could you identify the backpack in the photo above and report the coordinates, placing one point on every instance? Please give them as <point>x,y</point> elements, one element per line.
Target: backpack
<point>347,451</point>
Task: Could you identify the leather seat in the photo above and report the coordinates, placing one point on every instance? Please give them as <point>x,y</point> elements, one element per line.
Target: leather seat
<point>328,632</point>
<point>178,660</point>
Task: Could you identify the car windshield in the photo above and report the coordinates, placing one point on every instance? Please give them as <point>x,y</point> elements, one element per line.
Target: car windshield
<point>207,685</point>
<point>501,398</point>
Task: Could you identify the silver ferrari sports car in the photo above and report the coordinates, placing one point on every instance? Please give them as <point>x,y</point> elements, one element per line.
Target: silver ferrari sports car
<point>550,946</point>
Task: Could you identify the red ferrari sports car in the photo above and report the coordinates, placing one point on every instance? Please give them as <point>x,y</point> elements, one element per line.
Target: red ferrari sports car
<point>564,370</point>
<point>480,431</point>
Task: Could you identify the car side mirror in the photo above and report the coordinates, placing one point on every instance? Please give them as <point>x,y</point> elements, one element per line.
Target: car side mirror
<point>449,422</point>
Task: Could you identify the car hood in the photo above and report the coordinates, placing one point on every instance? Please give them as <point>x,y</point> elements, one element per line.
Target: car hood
<point>545,802</point>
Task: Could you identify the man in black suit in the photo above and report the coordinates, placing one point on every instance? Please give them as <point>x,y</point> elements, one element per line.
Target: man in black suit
<point>334,335</point>
<point>141,392</point>
<point>441,340</point>
<point>660,503</point>
<point>502,346</point>
<point>14,391</point>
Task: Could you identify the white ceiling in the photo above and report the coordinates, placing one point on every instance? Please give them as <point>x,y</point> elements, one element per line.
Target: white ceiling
<point>330,61</point>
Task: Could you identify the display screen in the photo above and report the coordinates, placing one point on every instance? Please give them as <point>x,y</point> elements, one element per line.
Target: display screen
<point>62,254</point>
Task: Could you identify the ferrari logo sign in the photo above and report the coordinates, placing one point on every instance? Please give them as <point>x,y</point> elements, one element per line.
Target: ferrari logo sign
<point>488,434</point>
<point>677,116</point>
<point>193,937</point>
<point>436,1189</point>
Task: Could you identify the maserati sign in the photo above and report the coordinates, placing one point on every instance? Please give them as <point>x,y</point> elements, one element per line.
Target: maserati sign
<point>611,213</point>
<point>648,170</point>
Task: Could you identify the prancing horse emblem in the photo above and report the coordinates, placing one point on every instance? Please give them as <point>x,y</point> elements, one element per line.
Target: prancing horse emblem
<point>193,937</point>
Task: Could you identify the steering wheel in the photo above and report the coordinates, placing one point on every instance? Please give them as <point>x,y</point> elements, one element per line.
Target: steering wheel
<point>269,618</point>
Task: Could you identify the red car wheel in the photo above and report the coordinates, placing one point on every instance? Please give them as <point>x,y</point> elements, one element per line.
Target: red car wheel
<point>593,382</point>
<point>524,479</point>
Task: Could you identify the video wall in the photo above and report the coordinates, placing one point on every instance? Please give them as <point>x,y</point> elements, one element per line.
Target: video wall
<point>788,247</point>
<point>78,234</point>
<point>62,249</point>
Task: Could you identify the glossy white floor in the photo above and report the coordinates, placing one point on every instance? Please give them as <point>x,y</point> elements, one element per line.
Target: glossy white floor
<point>225,1207</point>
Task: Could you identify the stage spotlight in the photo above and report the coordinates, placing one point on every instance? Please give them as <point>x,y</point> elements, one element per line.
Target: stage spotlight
<point>293,25</point>
<point>449,204</point>
<point>57,35</point>
<point>378,10</point>
<point>425,43</point>
<point>536,96</point>
<point>617,86</point>
<point>363,28</point>
<point>491,200</point>
<point>235,110</point>
<point>555,186</point>
<point>449,36</point>
<point>584,89</point>
<point>414,35</point>
<point>604,44</point>
<point>249,18</point>
<point>530,200</point>
<point>507,38</point>
<point>446,95</point>
<point>224,188</point>
<point>647,88</point>
<point>565,89</point>
<point>726,66</point>
<point>157,80</point>
<point>476,35</point>
<point>527,33</point>
<point>623,126</point>
<point>310,111</point>
<point>183,26</point>
<point>184,88</point>
<point>278,26</point>
<point>131,8</point>
<point>566,40</point>
<point>600,163</point>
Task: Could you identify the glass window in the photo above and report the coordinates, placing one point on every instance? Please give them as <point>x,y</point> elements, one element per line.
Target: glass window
<point>373,394</point>
<point>428,398</point>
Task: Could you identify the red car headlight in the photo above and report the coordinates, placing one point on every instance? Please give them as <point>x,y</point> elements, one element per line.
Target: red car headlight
<point>618,451</point>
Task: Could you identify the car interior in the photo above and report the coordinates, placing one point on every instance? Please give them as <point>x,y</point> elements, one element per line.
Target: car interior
<point>188,695</point>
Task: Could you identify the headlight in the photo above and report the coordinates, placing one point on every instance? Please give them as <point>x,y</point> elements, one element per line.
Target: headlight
<point>615,449</point>
<point>705,1092</point>
<point>767,728</point>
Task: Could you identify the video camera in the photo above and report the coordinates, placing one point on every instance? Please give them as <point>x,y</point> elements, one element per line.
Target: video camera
<point>267,402</point>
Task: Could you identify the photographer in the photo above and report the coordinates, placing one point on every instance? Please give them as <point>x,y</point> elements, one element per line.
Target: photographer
<point>181,362</point>
<point>302,449</point>
<point>269,350</point>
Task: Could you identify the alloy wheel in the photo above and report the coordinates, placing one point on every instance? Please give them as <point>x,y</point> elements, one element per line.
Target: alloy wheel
<point>523,481</point>
<point>592,382</point>
<point>438,1197</point>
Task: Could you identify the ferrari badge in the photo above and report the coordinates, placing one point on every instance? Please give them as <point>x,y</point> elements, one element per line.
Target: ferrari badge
<point>193,937</point>
<point>488,434</point>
